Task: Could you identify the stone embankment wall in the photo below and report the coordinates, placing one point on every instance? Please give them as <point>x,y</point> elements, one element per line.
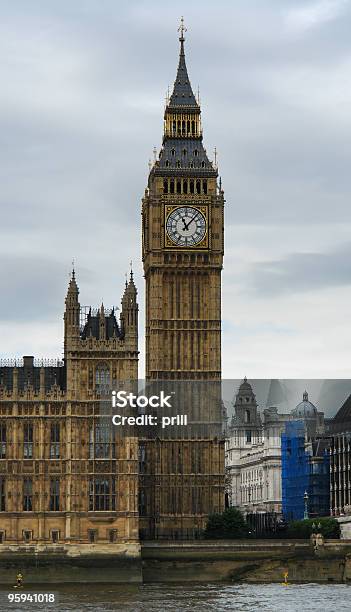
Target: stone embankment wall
<point>198,561</point>
<point>248,561</point>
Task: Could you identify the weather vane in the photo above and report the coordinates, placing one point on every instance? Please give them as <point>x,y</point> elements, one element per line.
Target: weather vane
<point>182,28</point>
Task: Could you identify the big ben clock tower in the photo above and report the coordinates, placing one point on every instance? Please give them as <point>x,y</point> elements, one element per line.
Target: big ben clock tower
<point>183,246</point>
<point>182,479</point>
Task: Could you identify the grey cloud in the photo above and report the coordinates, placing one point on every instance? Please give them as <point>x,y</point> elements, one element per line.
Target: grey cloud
<point>302,272</point>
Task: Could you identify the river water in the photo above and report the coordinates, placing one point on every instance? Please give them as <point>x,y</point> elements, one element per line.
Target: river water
<point>197,598</point>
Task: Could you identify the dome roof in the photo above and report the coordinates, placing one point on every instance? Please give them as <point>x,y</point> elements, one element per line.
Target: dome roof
<point>305,409</point>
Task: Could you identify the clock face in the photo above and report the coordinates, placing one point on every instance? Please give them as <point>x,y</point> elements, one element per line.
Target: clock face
<point>186,226</point>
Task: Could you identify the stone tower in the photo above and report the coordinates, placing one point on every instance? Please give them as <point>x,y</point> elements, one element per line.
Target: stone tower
<point>183,246</point>
<point>182,215</point>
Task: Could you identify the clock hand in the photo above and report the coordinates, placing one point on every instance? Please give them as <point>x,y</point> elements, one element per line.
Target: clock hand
<point>192,219</point>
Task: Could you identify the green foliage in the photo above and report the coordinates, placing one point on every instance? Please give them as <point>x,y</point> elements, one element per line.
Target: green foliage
<point>228,525</point>
<point>330,528</point>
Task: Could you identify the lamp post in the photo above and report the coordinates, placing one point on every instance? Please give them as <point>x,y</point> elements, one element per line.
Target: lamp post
<point>305,497</point>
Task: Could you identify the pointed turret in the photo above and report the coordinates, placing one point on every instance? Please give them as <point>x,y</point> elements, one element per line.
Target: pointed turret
<point>72,311</point>
<point>182,152</point>
<point>182,94</point>
<point>130,309</point>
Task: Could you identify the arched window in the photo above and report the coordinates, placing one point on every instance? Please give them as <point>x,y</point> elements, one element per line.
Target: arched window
<point>171,187</point>
<point>184,152</point>
<point>198,187</point>
<point>191,186</point>
<point>204,184</point>
<point>165,186</point>
<point>167,163</point>
<point>203,164</point>
<point>196,153</point>
<point>247,416</point>
<point>102,379</point>
<point>173,152</point>
<point>179,187</point>
<point>185,186</point>
<point>178,163</point>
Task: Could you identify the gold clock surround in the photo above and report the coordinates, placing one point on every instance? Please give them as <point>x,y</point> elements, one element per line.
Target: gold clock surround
<point>203,244</point>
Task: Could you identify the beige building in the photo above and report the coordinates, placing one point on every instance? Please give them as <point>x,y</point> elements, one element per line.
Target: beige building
<point>63,477</point>
<point>253,455</point>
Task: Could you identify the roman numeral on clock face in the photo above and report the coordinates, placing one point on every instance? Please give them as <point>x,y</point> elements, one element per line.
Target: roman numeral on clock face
<point>186,226</point>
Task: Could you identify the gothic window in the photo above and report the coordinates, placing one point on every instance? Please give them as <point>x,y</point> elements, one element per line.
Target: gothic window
<point>112,536</point>
<point>27,495</point>
<point>102,379</point>
<point>165,186</point>
<point>191,186</point>
<point>55,441</point>
<point>178,163</point>
<point>92,535</point>
<point>203,164</point>
<point>171,187</point>
<point>179,187</point>
<point>198,187</point>
<point>55,536</point>
<point>185,186</point>
<point>101,440</point>
<point>2,495</point>
<point>142,458</point>
<point>28,441</point>
<point>205,186</point>
<point>196,153</point>
<point>142,502</point>
<point>174,125</point>
<point>191,164</point>
<point>173,152</point>
<point>54,495</point>
<point>2,441</point>
<point>184,152</point>
<point>102,494</point>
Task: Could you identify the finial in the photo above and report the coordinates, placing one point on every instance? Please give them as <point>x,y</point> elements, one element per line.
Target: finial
<point>198,95</point>
<point>215,158</point>
<point>182,29</point>
<point>155,155</point>
<point>126,275</point>
<point>131,270</point>
<point>73,275</point>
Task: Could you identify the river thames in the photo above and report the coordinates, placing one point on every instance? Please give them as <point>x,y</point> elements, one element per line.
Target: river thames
<point>205,597</point>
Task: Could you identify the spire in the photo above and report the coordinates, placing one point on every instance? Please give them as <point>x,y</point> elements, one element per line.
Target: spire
<point>72,291</point>
<point>182,94</point>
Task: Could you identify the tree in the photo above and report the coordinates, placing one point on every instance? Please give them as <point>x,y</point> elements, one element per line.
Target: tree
<point>327,526</point>
<point>228,525</point>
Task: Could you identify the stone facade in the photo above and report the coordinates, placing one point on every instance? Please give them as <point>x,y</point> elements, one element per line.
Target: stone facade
<point>253,455</point>
<point>63,477</point>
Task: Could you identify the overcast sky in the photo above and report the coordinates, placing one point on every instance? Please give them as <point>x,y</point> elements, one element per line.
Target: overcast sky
<point>81,108</point>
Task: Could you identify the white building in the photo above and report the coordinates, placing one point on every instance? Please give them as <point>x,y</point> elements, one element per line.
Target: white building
<point>253,455</point>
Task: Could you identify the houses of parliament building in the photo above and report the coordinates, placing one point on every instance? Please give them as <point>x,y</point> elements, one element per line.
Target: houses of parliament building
<point>66,479</point>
